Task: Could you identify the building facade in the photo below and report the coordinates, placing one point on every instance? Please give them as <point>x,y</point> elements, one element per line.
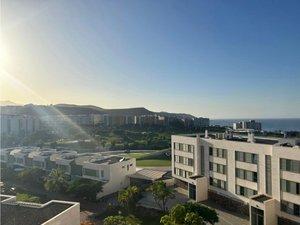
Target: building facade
<point>112,171</point>
<point>262,174</point>
<point>247,125</point>
<point>19,124</point>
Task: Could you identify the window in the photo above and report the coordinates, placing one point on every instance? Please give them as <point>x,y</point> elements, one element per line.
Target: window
<point>180,146</point>
<point>211,166</point>
<point>184,160</point>
<point>102,173</point>
<point>246,175</point>
<point>202,160</point>
<point>184,147</point>
<point>268,171</point>
<point>64,168</point>
<point>290,187</point>
<point>218,152</point>
<point>217,183</point>
<point>219,168</point>
<point>190,148</point>
<point>243,191</point>
<point>192,191</point>
<point>290,165</point>
<point>246,157</point>
<point>190,162</point>
<point>257,216</point>
<point>182,173</point>
<point>210,151</point>
<point>90,172</point>
<point>290,208</point>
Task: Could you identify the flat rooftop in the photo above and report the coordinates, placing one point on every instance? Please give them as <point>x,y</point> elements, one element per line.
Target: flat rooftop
<point>109,160</point>
<point>261,198</point>
<point>284,142</point>
<point>17,213</point>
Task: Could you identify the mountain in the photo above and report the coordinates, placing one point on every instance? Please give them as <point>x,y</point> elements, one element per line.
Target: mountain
<point>72,109</point>
<point>129,111</point>
<point>7,103</point>
<point>178,115</point>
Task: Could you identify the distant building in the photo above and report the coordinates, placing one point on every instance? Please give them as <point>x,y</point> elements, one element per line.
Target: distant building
<point>80,120</point>
<point>247,125</point>
<point>201,122</point>
<point>54,212</point>
<point>19,124</point>
<point>113,171</point>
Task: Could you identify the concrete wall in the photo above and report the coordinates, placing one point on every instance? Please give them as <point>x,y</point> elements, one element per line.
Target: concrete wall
<point>119,177</point>
<point>70,216</point>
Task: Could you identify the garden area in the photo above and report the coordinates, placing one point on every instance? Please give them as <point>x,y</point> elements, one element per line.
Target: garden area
<point>151,159</point>
<point>127,211</point>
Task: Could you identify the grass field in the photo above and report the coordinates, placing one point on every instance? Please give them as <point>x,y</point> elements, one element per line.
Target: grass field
<point>155,159</point>
<point>153,163</point>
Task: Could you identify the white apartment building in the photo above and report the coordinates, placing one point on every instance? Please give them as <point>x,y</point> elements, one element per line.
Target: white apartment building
<point>262,173</point>
<point>53,212</point>
<point>114,171</point>
<point>19,124</point>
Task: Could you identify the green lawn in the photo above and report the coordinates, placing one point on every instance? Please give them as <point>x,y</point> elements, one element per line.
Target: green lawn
<point>153,163</point>
<point>136,155</point>
<point>149,159</point>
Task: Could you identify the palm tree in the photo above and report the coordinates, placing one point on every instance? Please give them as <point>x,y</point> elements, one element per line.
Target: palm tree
<point>128,197</point>
<point>56,181</point>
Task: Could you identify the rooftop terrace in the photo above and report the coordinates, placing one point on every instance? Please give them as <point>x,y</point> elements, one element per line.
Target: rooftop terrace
<point>20,213</point>
<point>109,160</point>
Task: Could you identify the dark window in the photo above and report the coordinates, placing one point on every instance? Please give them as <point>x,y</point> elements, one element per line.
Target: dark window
<point>257,216</point>
<point>210,151</point>
<point>192,191</point>
<point>268,164</point>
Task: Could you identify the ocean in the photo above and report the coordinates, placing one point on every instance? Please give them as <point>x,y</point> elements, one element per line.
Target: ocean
<point>267,124</point>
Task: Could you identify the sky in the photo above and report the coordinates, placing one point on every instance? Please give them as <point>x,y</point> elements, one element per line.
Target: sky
<point>218,59</point>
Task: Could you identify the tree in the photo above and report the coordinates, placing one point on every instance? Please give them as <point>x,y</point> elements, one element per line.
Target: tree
<point>208,214</point>
<point>121,220</point>
<point>56,181</point>
<point>178,213</point>
<point>32,176</point>
<point>161,194</point>
<point>193,219</point>
<point>180,216</point>
<point>128,197</point>
<point>27,198</point>
<point>85,188</point>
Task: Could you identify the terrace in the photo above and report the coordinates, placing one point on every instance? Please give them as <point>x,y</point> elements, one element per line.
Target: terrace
<point>21,213</point>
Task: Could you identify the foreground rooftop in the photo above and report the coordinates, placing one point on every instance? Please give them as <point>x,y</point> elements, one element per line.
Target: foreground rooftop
<point>21,213</point>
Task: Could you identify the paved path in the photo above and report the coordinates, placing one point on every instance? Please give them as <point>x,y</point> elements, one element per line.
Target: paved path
<point>148,201</point>
<point>227,217</point>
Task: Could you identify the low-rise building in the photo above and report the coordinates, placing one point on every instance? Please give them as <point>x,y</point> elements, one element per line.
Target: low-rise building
<point>261,174</point>
<point>112,171</point>
<point>54,212</point>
